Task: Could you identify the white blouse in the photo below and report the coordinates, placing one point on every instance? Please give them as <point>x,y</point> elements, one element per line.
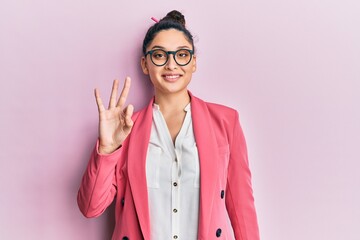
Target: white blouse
<point>173,180</point>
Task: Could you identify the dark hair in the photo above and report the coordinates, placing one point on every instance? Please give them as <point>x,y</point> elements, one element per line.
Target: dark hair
<point>172,20</point>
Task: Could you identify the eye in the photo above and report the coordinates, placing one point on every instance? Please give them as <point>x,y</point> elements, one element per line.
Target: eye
<point>183,54</point>
<point>159,54</point>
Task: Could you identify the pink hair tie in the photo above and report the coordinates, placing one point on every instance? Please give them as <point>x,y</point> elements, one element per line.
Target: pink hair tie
<point>154,19</point>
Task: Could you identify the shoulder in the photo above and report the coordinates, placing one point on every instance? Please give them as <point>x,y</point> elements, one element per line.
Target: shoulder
<point>221,119</point>
<point>217,110</point>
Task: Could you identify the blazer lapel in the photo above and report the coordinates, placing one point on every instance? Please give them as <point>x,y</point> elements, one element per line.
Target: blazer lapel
<point>138,145</point>
<point>207,148</point>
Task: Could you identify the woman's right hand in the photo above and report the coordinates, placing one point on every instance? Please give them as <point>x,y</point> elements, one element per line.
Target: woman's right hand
<point>115,123</point>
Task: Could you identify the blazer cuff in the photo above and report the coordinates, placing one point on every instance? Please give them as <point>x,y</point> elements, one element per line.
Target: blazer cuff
<point>112,155</point>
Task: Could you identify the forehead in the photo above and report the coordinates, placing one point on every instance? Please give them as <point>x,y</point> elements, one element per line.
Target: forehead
<point>170,39</point>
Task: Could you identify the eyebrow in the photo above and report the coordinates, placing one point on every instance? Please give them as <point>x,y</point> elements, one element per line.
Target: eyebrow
<point>180,47</point>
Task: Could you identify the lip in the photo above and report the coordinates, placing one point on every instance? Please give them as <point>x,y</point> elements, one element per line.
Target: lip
<point>171,77</point>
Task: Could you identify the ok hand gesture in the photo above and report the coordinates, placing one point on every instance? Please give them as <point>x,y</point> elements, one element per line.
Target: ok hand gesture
<point>115,123</point>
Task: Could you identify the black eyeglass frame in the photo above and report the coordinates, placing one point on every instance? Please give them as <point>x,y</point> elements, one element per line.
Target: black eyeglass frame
<point>167,56</point>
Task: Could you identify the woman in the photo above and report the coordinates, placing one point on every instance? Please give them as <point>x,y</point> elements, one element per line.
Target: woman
<point>177,169</point>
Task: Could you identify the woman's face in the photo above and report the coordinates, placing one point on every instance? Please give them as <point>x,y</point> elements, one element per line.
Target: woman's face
<point>171,77</point>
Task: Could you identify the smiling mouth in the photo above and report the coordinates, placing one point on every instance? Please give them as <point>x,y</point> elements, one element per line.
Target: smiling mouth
<point>171,77</point>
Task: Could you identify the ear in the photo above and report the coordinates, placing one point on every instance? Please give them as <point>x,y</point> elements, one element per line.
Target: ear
<point>194,64</point>
<point>144,66</point>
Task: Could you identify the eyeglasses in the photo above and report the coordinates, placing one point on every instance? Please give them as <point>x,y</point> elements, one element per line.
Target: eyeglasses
<point>160,57</point>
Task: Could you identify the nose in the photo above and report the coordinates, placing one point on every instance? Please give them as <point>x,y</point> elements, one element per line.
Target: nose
<point>171,64</point>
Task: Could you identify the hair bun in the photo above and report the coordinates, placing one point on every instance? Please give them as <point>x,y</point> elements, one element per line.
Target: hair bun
<point>175,16</point>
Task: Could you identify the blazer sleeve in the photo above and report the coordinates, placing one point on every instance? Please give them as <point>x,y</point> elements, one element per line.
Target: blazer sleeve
<point>239,193</point>
<point>98,185</point>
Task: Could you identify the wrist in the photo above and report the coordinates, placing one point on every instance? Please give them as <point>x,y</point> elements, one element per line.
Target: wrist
<point>107,150</point>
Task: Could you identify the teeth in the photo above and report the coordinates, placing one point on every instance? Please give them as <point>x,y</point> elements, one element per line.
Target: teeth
<point>172,76</point>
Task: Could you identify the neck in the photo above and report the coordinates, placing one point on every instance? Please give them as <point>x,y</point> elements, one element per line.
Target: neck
<point>172,102</point>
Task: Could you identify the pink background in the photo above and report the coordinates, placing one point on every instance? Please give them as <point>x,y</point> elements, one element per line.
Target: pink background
<point>291,68</point>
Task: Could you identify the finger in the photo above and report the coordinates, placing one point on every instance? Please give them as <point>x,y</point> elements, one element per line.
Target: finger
<point>98,100</point>
<point>124,92</point>
<point>114,91</point>
<point>128,114</point>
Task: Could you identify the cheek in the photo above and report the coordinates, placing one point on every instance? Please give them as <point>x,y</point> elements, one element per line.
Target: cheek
<point>190,69</point>
<point>152,72</point>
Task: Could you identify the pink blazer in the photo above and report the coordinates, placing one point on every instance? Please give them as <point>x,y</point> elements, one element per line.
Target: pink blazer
<point>225,178</point>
